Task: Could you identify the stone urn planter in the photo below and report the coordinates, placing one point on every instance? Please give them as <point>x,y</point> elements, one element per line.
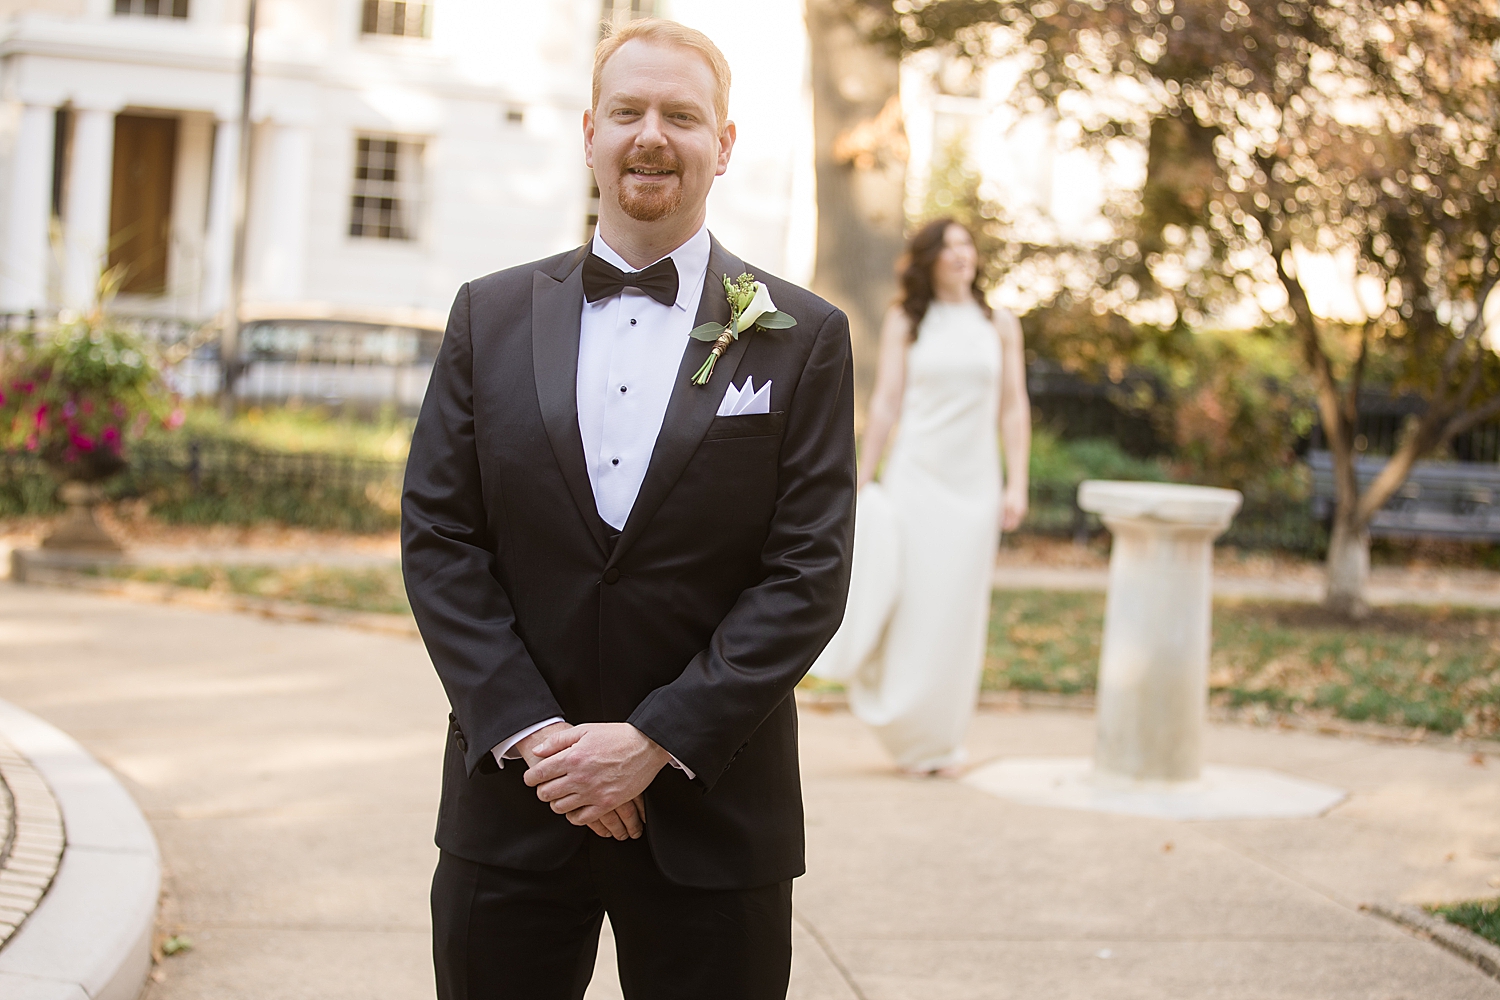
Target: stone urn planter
<point>75,396</point>
<point>82,489</point>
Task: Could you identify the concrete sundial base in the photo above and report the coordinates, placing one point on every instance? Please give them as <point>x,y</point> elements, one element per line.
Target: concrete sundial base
<point>1220,793</point>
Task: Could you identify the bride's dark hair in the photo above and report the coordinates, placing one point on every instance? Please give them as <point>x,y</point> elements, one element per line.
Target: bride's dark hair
<point>915,268</point>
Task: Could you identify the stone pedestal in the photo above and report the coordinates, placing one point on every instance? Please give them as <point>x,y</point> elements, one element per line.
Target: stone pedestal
<point>1153,678</point>
<point>79,531</point>
<point>1153,668</point>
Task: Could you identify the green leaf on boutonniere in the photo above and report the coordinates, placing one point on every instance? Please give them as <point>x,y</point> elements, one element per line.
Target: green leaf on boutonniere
<point>708,331</point>
<point>775,321</point>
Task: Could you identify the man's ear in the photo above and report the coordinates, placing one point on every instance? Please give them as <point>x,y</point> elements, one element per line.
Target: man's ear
<point>588,138</point>
<point>726,146</point>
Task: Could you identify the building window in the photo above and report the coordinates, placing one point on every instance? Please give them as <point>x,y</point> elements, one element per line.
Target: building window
<point>615,13</point>
<point>397,17</point>
<point>387,183</point>
<point>152,8</point>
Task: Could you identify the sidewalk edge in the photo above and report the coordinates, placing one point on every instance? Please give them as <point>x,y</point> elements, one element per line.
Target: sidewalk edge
<point>1462,942</point>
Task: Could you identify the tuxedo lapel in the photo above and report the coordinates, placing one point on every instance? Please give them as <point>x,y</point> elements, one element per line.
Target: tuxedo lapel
<point>556,311</point>
<point>691,408</point>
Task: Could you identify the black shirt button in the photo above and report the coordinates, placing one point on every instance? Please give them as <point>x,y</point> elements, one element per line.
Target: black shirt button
<point>632,322</point>
<point>622,388</point>
<point>611,575</point>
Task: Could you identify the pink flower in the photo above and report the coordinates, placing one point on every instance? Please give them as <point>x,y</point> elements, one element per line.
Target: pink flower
<point>118,409</point>
<point>41,416</point>
<point>111,438</point>
<point>32,443</point>
<point>2,397</point>
<point>70,409</point>
<point>174,419</point>
<point>80,440</point>
<point>88,407</point>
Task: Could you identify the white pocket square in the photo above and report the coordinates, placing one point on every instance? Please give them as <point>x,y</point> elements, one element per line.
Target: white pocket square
<point>746,399</point>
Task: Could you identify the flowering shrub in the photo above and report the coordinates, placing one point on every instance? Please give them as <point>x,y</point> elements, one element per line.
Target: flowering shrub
<point>76,396</point>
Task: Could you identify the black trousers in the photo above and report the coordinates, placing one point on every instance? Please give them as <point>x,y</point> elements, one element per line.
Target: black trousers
<point>505,934</point>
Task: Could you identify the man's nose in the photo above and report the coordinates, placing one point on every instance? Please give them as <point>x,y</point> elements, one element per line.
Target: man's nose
<point>651,133</point>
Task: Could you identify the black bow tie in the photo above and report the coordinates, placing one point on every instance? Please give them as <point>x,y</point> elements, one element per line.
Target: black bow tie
<point>601,279</point>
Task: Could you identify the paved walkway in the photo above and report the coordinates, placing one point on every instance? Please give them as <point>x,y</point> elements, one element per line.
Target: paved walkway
<point>290,772</point>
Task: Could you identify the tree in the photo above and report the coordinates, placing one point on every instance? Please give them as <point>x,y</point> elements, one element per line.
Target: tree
<point>861,170</point>
<point>1273,133</point>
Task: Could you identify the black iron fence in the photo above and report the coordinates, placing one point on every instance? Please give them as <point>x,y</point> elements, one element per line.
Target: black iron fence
<point>1281,523</point>
<point>336,363</point>
<point>198,481</point>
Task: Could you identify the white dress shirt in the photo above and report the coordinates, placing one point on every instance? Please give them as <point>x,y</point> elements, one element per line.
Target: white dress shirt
<point>629,350</point>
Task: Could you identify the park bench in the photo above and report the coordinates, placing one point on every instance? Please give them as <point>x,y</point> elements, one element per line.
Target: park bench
<point>1458,500</point>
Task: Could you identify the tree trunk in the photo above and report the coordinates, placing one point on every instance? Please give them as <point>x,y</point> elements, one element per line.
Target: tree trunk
<point>861,175</point>
<point>1348,563</point>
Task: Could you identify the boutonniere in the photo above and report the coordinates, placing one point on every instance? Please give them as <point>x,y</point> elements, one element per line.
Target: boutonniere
<point>750,305</point>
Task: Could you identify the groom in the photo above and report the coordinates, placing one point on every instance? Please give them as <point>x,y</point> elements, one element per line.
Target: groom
<point>621,575</point>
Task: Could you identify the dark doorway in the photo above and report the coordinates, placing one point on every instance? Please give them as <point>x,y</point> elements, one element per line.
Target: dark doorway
<point>140,205</point>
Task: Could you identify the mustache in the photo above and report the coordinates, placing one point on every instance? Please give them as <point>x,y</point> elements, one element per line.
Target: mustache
<point>655,160</point>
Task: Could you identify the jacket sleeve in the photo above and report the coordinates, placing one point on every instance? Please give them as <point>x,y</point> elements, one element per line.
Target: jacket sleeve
<point>449,559</point>
<point>778,627</point>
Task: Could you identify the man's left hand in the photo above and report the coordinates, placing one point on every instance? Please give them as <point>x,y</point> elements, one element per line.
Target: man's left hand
<point>593,769</point>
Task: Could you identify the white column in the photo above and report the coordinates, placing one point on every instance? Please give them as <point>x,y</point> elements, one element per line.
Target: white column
<point>86,215</point>
<point>189,211</point>
<point>281,218</point>
<point>1153,668</point>
<point>23,270</point>
<point>218,250</point>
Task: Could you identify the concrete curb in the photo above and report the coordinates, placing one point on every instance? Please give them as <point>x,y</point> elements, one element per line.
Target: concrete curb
<point>34,842</point>
<point>90,936</point>
<point>1463,943</point>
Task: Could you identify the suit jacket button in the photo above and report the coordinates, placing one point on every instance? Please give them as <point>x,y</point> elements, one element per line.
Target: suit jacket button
<point>611,575</point>
<point>463,744</point>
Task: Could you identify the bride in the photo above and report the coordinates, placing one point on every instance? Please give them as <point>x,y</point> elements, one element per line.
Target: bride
<point>912,646</point>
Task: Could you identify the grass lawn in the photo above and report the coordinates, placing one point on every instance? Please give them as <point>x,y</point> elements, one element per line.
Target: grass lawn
<point>1482,916</point>
<point>1432,668</point>
<point>365,589</point>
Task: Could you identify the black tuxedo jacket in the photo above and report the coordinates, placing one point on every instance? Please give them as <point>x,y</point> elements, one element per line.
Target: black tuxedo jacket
<point>695,624</point>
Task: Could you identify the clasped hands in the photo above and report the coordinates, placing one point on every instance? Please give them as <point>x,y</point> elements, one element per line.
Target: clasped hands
<point>594,774</point>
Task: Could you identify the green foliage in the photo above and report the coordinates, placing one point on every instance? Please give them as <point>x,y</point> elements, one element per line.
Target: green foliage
<point>77,395</point>
<point>1271,132</point>
<point>1055,462</point>
<point>1482,916</point>
<point>1430,668</point>
<point>303,429</point>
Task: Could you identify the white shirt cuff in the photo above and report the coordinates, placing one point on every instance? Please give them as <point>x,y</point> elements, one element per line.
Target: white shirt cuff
<point>502,751</point>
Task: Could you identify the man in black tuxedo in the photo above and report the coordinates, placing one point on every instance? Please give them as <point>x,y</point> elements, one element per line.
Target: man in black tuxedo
<point>621,575</point>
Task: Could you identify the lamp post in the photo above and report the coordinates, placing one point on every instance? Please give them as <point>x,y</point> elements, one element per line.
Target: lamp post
<point>229,342</point>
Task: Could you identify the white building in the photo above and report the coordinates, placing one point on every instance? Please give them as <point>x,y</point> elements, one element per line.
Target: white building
<point>399,147</point>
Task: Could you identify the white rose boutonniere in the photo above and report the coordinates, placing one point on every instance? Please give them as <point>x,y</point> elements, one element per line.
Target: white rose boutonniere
<point>750,307</point>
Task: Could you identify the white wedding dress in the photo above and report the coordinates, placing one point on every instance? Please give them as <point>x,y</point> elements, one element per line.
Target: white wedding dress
<point>912,644</point>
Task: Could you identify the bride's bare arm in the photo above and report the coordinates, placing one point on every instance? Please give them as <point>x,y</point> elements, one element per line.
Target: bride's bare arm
<point>1015,419</point>
<point>885,403</point>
